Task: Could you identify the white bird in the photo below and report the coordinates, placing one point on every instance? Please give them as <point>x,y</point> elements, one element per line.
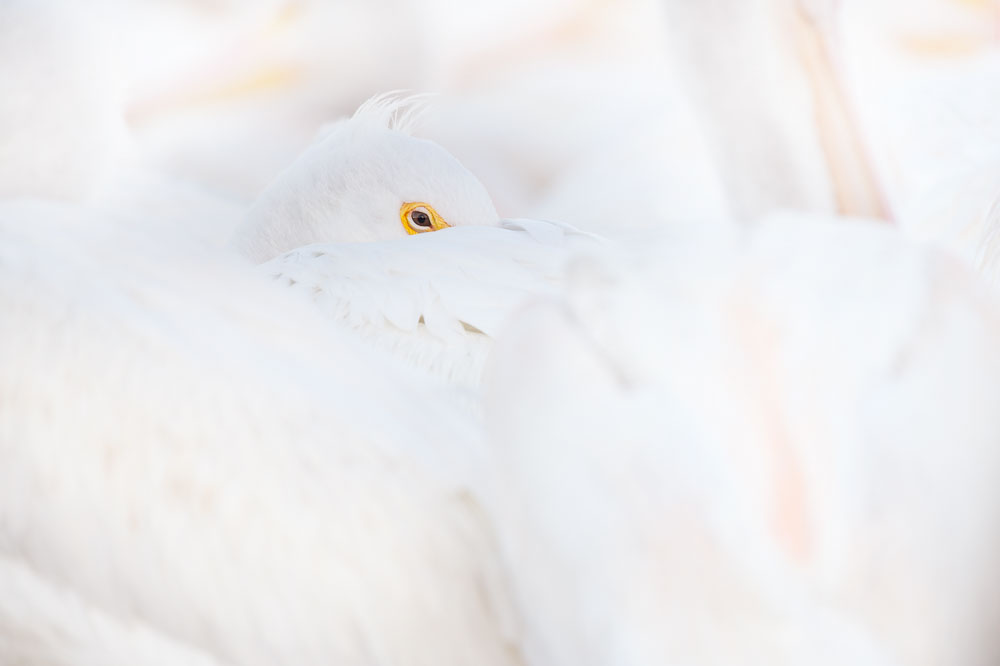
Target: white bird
<point>199,470</point>
<point>739,455</point>
<point>927,84</point>
<point>434,300</point>
<point>229,487</point>
<point>365,179</point>
<point>779,448</point>
<point>766,79</point>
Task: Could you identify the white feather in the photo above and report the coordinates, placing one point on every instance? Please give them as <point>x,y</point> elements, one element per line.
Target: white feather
<point>776,449</point>
<point>191,453</point>
<point>350,184</point>
<point>434,300</point>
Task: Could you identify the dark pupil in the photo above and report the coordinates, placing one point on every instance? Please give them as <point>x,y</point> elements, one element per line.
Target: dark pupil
<point>420,218</point>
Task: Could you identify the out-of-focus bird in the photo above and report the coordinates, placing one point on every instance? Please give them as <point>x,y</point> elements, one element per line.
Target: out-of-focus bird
<point>62,126</point>
<point>926,84</point>
<point>773,448</point>
<point>766,79</point>
<point>691,112</point>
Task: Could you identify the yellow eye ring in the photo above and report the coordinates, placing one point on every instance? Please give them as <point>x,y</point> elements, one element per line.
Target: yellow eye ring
<point>418,217</point>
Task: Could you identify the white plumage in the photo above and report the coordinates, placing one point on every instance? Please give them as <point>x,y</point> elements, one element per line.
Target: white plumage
<point>771,445</point>
<point>435,300</point>
<point>349,185</point>
<point>192,458</point>
<point>438,300</point>
<point>778,448</point>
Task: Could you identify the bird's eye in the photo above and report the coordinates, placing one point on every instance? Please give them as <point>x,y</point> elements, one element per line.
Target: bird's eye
<point>419,217</point>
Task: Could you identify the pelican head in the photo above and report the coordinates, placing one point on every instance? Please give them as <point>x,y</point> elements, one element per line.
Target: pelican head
<point>364,179</point>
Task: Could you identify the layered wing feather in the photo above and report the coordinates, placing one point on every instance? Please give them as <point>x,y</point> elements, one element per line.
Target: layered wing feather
<point>434,300</point>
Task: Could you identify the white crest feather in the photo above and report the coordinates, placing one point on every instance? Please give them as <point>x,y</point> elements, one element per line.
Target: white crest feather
<point>397,109</point>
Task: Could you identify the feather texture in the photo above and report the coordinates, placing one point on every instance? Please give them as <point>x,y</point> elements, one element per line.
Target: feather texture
<point>436,300</point>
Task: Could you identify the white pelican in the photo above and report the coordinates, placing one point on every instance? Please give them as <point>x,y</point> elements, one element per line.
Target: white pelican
<point>765,76</point>
<point>928,84</point>
<point>779,448</point>
<point>365,179</point>
<point>434,300</point>
<point>198,470</point>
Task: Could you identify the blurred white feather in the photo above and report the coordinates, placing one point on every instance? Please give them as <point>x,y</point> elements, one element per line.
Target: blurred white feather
<point>776,449</point>
<point>925,81</point>
<point>62,126</point>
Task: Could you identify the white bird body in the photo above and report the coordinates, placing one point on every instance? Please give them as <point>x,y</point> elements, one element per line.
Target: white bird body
<point>195,462</point>
<point>434,301</point>
<point>779,449</point>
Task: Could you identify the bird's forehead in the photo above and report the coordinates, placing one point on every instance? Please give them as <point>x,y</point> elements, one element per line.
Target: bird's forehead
<point>420,170</point>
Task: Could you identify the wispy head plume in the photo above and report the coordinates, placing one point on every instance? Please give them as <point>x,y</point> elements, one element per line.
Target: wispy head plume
<point>397,110</point>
